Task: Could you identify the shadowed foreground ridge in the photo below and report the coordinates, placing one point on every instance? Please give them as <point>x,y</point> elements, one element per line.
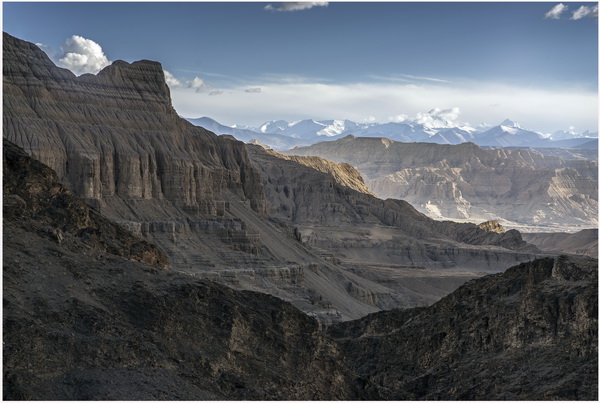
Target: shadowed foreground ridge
<point>530,333</point>
<point>85,322</point>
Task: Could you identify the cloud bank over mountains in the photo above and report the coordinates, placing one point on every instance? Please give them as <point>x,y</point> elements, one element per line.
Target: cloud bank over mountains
<point>542,109</point>
<point>252,101</point>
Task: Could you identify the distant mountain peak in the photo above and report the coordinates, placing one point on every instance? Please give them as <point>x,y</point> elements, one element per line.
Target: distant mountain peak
<point>510,123</point>
<point>436,126</point>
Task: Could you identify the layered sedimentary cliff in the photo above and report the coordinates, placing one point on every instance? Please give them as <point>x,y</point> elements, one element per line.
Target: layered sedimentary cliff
<point>362,228</point>
<point>466,182</point>
<point>32,193</point>
<point>116,134</point>
<point>256,223</point>
<point>116,141</point>
<point>90,313</point>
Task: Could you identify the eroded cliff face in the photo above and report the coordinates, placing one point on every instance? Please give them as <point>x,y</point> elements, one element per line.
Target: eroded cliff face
<point>116,134</point>
<point>115,140</point>
<point>466,182</point>
<point>33,196</point>
<point>362,229</point>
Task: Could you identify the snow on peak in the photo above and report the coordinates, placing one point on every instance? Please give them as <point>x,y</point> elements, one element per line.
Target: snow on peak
<point>439,118</point>
<point>274,126</point>
<point>509,129</point>
<point>510,123</point>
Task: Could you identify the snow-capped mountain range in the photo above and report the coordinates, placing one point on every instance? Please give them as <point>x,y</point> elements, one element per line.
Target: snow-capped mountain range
<point>428,128</point>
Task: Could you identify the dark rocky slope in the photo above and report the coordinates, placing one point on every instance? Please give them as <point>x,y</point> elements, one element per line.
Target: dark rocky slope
<point>87,321</point>
<point>84,325</point>
<point>530,333</point>
<point>83,322</point>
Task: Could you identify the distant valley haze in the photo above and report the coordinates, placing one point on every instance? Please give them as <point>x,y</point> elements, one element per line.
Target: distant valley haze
<point>249,63</point>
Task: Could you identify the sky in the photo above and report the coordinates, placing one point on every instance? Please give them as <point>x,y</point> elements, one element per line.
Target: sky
<point>246,63</point>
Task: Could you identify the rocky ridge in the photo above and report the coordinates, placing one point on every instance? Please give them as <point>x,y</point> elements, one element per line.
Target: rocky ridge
<point>529,333</point>
<point>83,323</point>
<point>344,174</point>
<point>466,182</point>
<point>218,212</point>
<point>584,242</point>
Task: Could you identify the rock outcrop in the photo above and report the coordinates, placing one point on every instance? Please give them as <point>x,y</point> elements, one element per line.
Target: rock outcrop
<point>493,226</point>
<point>83,324</point>
<point>530,333</point>
<point>463,181</point>
<point>31,191</point>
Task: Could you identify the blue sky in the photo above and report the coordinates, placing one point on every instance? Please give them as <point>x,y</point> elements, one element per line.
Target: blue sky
<point>248,62</point>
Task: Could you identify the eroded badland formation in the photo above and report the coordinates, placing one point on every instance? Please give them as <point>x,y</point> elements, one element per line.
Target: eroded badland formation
<point>140,252</point>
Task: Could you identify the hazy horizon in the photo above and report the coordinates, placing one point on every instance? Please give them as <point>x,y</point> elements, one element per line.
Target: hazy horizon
<point>247,63</point>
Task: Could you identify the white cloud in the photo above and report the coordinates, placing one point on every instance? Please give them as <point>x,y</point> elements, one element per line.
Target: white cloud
<point>48,50</point>
<point>295,5</point>
<point>556,11</point>
<point>585,11</point>
<point>398,118</point>
<point>439,117</point>
<point>541,109</point>
<point>437,80</point>
<point>172,82</point>
<point>81,55</point>
<point>253,90</point>
<point>199,85</point>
